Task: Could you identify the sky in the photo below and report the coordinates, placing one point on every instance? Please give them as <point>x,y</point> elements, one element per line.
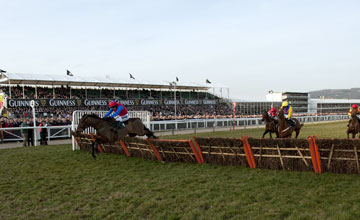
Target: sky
<point>250,47</point>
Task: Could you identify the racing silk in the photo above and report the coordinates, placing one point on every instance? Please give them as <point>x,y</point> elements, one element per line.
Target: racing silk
<point>272,113</point>
<point>288,112</point>
<point>120,110</point>
<point>350,111</point>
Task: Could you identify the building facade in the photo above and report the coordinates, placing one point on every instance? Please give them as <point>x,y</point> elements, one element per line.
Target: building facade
<point>298,100</point>
<point>340,106</point>
<point>255,108</point>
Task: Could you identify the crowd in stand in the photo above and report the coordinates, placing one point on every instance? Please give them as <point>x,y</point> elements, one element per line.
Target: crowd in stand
<point>64,92</point>
<point>51,121</point>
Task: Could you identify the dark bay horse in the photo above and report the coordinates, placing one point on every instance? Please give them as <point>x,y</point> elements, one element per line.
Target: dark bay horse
<point>354,126</point>
<point>270,125</point>
<point>104,129</point>
<point>284,129</point>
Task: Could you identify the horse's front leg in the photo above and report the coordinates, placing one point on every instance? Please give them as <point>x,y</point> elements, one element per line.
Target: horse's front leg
<point>270,135</point>
<point>265,132</point>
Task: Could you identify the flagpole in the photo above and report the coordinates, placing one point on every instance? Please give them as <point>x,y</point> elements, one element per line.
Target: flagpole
<point>175,105</point>
<point>174,84</point>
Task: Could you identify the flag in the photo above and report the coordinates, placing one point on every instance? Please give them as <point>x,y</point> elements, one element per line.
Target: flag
<point>177,79</point>
<point>68,73</point>
<point>2,71</point>
<point>131,76</point>
<point>207,81</point>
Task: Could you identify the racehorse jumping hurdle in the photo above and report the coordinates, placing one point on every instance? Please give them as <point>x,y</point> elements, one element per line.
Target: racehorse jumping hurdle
<point>154,149</point>
<point>319,155</point>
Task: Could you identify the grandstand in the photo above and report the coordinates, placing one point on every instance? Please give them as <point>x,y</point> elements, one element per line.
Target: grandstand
<point>58,96</point>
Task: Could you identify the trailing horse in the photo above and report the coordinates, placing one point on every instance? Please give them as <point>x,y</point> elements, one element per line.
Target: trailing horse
<point>270,125</point>
<point>284,129</point>
<point>104,129</point>
<point>354,126</point>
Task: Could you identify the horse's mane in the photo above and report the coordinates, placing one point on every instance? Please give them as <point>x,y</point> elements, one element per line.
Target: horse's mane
<point>92,116</point>
<point>107,119</point>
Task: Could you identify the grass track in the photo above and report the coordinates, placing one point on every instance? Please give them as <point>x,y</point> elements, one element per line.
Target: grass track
<point>321,130</point>
<point>53,182</point>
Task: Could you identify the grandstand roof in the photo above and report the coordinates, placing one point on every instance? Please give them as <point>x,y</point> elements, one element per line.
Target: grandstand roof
<point>52,80</point>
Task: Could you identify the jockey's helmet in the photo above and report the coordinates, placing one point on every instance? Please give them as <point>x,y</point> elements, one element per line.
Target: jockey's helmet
<point>284,104</point>
<point>112,104</point>
<point>354,106</point>
<point>273,109</point>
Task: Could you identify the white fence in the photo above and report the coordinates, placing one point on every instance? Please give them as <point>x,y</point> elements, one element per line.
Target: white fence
<point>58,132</point>
<point>53,132</point>
<point>228,122</point>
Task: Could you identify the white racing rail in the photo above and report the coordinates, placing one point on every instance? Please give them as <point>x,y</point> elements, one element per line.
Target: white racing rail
<point>228,122</point>
<point>55,132</point>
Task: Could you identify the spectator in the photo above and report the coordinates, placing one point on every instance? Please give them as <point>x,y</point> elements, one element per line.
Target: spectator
<point>31,135</point>
<point>24,132</point>
<point>43,133</point>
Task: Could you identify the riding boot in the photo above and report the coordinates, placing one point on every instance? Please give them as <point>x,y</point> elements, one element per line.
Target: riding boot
<point>292,123</point>
<point>120,125</point>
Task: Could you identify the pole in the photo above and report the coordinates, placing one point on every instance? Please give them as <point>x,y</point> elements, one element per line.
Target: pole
<point>175,104</point>
<point>32,104</point>
<point>9,89</point>
<point>234,104</point>
<point>272,98</point>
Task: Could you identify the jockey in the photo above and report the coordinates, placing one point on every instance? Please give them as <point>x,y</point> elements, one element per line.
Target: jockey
<point>288,113</point>
<point>354,106</point>
<point>273,113</point>
<point>120,114</point>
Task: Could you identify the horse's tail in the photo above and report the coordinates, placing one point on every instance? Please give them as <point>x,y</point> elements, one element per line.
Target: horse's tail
<point>149,133</point>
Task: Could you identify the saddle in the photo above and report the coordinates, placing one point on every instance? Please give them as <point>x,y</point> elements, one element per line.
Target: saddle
<point>115,124</point>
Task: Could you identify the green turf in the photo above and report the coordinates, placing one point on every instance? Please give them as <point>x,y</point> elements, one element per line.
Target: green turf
<point>53,182</point>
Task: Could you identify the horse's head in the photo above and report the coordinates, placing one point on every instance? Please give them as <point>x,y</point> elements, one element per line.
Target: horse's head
<point>354,112</point>
<point>281,113</point>
<point>264,115</point>
<point>83,124</point>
